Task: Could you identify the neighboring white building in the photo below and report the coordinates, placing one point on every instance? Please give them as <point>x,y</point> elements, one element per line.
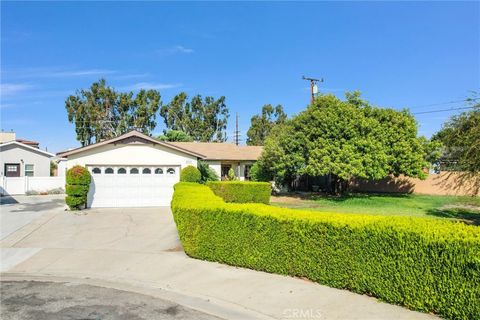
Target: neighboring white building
<point>135,170</point>
<point>18,160</point>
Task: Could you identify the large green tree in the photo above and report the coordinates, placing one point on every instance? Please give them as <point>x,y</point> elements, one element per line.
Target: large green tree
<point>460,136</point>
<point>100,112</point>
<point>204,120</point>
<point>345,139</point>
<point>175,136</point>
<point>262,124</point>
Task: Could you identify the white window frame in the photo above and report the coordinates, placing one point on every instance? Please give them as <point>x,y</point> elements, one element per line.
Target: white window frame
<point>32,170</point>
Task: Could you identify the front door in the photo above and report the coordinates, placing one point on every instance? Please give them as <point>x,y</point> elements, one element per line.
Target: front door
<point>224,169</point>
<point>12,170</point>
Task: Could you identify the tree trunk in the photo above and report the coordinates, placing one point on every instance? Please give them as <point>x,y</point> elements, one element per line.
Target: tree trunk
<point>336,185</point>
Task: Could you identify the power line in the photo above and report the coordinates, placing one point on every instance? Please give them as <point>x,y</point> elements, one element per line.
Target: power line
<point>444,110</point>
<point>444,103</point>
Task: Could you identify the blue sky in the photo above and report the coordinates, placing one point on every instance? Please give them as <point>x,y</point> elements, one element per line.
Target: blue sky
<point>398,54</point>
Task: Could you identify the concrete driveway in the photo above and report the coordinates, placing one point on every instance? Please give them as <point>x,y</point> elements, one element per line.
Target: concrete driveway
<point>138,250</point>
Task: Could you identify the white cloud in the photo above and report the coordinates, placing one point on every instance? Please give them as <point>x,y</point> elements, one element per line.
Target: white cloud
<point>13,88</point>
<point>6,105</point>
<point>151,85</point>
<point>57,73</point>
<point>174,50</point>
<point>79,73</point>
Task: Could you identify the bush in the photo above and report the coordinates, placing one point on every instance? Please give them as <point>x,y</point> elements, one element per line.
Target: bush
<point>76,189</point>
<point>190,174</point>
<point>207,173</point>
<point>424,264</point>
<point>242,191</point>
<point>75,202</point>
<point>258,173</point>
<point>231,175</point>
<point>78,175</point>
<point>78,183</point>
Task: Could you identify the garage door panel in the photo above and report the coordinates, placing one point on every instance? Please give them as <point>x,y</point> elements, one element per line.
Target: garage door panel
<point>131,190</point>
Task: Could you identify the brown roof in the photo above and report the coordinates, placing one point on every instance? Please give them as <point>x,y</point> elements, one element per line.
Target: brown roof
<point>131,134</point>
<point>28,142</point>
<point>222,151</point>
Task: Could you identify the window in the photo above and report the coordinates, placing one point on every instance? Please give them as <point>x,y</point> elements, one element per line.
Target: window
<point>11,168</point>
<point>158,171</point>
<point>29,170</point>
<point>134,171</point>
<point>96,171</point>
<point>109,171</point>
<point>121,171</point>
<point>146,171</point>
<point>170,171</point>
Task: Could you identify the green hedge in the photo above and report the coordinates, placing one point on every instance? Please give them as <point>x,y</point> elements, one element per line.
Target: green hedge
<point>78,183</point>
<point>424,264</point>
<point>190,174</point>
<point>76,189</point>
<point>242,191</point>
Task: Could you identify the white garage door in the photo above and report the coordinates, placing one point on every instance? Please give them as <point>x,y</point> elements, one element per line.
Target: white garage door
<point>132,186</point>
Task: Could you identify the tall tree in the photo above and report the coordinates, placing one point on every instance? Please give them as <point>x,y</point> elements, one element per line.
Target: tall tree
<point>100,112</point>
<point>345,139</point>
<point>460,136</point>
<point>175,136</point>
<point>262,124</point>
<point>204,120</point>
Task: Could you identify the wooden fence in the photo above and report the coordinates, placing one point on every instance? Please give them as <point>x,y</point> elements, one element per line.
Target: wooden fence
<point>444,183</point>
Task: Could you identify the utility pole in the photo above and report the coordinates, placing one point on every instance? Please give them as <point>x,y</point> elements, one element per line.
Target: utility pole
<point>236,135</point>
<point>313,87</point>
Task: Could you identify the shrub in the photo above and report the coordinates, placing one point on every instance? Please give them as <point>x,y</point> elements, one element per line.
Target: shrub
<point>75,202</point>
<point>231,175</point>
<point>78,175</point>
<point>190,174</point>
<point>242,191</point>
<point>424,264</point>
<point>78,183</point>
<point>76,189</point>
<point>207,173</point>
<point>258,173</point>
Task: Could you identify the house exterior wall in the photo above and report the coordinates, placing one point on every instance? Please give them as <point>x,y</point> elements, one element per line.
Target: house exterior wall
<point>215,166</point>
<point>238,167</point>
<point>131,154</point>
<point>61,168</point>
<point>7,136</point>
<point>14,153</point>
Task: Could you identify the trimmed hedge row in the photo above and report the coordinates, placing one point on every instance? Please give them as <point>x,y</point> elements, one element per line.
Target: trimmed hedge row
<point>424,264</point>
<point>242,191</point>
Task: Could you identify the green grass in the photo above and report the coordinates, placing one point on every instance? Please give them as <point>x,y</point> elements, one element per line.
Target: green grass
<point>453,207</point>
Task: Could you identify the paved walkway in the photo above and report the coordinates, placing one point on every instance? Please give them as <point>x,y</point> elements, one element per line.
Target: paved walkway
<point>138,250</point>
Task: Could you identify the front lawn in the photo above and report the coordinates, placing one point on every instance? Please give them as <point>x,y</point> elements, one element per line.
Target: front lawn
<point>464,208</point>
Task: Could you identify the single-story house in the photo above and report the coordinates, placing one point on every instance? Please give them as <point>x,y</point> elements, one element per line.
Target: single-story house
<point>135,170</point>
<point>18,159</point>
<point>221,157</point>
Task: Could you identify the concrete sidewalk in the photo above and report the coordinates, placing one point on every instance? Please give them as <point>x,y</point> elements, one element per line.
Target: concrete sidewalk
<point>139,249</point>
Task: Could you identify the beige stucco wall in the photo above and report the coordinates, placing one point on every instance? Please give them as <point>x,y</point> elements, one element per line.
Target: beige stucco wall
<point>444,183</point>
<point>132,154</point>
<point>14,153</point>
